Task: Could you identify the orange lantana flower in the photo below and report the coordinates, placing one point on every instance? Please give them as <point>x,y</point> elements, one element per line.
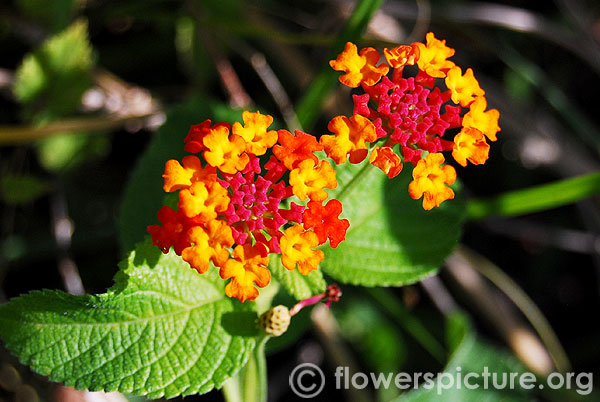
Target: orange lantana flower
<point>226,153</point>
<point>203,201</point>
<point>296,148</point>
<point>325,221</point>
<point>178,177</point>
<point>297,250</point>
<point>232,209</point>
<point>387,160</point>
<point>433,56</point>
<point>308,180</point>
<point>463,88</point>
<point>430,180</point>
<point>193,141</point>
<point>351,137</point>
<point>470,145</point>
<point>247,268</point>
<point>486,122</point>
<point>360,68</point>
<point>401,56</point>
<point>207,245</point>
<point>255,133</point>
<point>171,232</point>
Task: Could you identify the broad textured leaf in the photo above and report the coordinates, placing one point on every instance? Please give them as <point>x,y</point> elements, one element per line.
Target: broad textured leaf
<point>51,80</point>
<point>298,285</point>
<point>144,192</point>
<point>391,241</point>
<point>162,330</point>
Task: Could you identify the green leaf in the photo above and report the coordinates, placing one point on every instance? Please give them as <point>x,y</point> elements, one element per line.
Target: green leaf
<point>51,80</point>
<point>310,105</point>
<point>535,199</point>
<point>20,189</point>
<point>391,241</point>
<point>144,192</point>
<point>298,285</point>
<point>161,330</point>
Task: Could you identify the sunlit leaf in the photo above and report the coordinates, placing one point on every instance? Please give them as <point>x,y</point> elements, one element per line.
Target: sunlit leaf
<point>161,330</point>
<point>298,285</point>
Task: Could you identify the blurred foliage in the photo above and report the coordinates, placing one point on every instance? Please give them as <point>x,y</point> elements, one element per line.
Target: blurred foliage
<point>471,355</point>
<point>66,151</point>
<point>21,189</point>
<point>55,15</point>
<point>51,80</point>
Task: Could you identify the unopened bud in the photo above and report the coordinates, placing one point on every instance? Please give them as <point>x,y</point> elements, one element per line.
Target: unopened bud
<point>275,321</point>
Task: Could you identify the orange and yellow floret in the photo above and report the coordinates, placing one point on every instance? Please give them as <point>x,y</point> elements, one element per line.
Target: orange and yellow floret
<point>233,213</point>
<point>411,119</point>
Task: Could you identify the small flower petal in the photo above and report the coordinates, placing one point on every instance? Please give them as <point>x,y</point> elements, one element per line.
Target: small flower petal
<point>387,160</point>
<point>171,232</point>
<point>430,179</point>
<point>255,133</point>
<point>433,56</point>
<point>470,145</point>
<point>247,268</point>
<point>203,201</point>
<point>296,148</point>
<point>297,250</point>
<point>401,56</point>
<point>226,153</point>
<point>486,122</point>
<point>325,221</point>
<point>193,141</point>
<point>178,177</point>
<point>308,180</point>
<point>351,136</point>
<point>463,88</point>
<point>210,244</point>
<point>359,68</point>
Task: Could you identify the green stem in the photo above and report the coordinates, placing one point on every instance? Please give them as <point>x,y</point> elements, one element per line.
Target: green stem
<point>536,199</point>
<point>254,378</point>
<point>250,384</point>
<point>232,391</point>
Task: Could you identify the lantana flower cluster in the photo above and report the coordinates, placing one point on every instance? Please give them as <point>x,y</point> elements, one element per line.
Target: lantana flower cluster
<point>248,192</point>
<point>409,119</point>
<point>234,213</point>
